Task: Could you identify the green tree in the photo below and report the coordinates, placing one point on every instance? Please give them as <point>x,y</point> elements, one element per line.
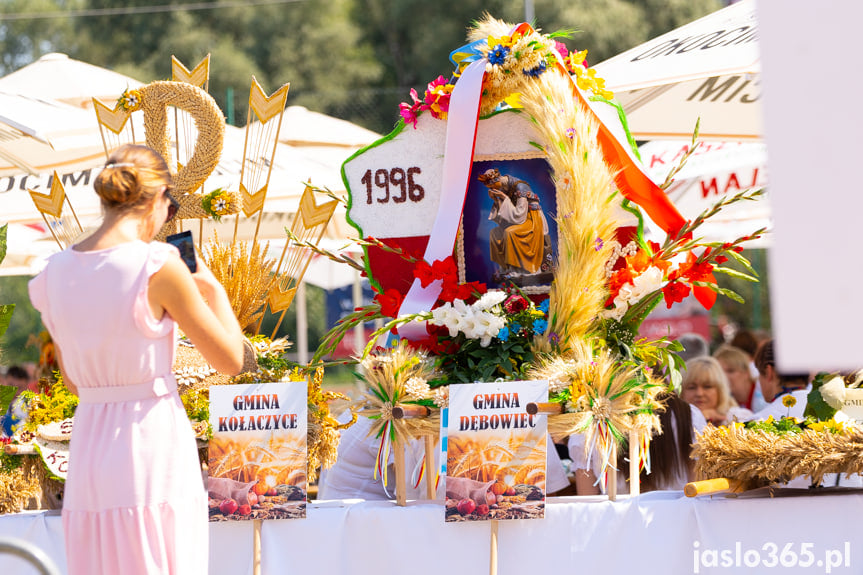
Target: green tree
<point>24,40</point>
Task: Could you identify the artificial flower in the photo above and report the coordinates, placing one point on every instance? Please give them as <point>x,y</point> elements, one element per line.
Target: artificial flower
<point>675,292</point>
<point>833,392</point>
<point>390,302</point>
<point>516,303</point>
<point>437,97</point>
<point>498,54</point>
<point>410,111</point>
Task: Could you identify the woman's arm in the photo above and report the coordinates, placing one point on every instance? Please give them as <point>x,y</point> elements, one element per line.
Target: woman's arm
<point>211,325</point>
<point>70,385</point>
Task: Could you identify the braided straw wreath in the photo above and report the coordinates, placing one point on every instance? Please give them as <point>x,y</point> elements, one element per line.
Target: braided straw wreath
<point>210,123</point>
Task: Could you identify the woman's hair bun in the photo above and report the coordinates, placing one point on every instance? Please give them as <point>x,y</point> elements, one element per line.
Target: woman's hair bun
<point>132,177</point>
<point>118,185</point>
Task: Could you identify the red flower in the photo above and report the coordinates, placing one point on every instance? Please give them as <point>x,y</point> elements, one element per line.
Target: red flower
<point>390,302</point>
<point>515,304</point>
<point>445,270</point>
<point>424,272</point>
<point>675,292</point>
<point>437,97</point>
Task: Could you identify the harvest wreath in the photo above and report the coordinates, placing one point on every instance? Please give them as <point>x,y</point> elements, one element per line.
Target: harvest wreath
<point>775,451</point>
<point>583,337</point>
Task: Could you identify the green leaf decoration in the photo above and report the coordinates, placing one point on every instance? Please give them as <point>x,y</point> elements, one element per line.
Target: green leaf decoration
<point>5,317</point>
<point>815,405</point>
<point>735,274</point>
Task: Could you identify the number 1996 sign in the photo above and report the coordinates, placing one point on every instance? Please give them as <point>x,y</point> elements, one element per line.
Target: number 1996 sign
<point>402,181</point>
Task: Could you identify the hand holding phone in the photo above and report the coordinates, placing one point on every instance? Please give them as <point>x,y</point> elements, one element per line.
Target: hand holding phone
<point>184,242</point>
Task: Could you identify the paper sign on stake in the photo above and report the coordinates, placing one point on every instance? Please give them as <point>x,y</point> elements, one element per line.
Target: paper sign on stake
<point>495,452</point>
<point>258,452</point>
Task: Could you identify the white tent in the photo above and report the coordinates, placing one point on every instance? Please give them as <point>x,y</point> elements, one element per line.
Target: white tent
<point>72,82</point>
<point>708,69</point>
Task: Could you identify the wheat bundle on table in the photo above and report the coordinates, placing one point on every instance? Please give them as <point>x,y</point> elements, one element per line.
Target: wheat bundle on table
<point>762,457</point>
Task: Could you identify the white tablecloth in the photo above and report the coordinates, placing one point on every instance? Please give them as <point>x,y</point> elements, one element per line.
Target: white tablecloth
<point>660,532</point>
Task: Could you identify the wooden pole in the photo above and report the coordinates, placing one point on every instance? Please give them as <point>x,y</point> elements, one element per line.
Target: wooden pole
<point>401,481</point>
<point>431,468</point>
<point>533,408</point>
<point>256,548</point>
<point>712,486</point>
<point>634,475</point>
<point>492,563</point>
<point>612,471</point>
<point>408,411</point>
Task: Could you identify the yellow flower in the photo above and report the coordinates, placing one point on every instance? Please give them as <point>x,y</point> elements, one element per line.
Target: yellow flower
<point>221,204</point>
<point>789,401</point>
<point>505,41</point>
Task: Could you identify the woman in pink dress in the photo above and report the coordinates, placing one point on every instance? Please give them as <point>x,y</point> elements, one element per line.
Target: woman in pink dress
<point>134,500</point>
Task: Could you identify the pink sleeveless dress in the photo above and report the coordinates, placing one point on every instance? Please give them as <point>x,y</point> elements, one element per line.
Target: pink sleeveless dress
<point>134,500</point>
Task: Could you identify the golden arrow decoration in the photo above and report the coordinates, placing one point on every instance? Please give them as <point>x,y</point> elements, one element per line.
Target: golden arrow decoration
<point>112,118</point>
<point>52,202</point>
<point>252,203</point>
<point>312,214</point>
<point>281,300</point>
<point>199,76</point>
<point>266,107</point>
<point>308,226</point>
<point>262,138</point>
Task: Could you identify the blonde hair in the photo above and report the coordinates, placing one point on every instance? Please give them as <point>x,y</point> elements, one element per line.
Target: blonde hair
<point>707,369</point>
<point>736,358</point>
<point>131,178</point>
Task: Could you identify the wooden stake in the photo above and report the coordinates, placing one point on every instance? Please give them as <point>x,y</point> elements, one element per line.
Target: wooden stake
<point>492,563</point>
<point>710,486</point>
<point>401,481</point>
<point>256,548</point>
<point>533,408</point>
<point>612,471</point>
<point>431,468</point>
<point>634,475</point>
<point>408,411</point>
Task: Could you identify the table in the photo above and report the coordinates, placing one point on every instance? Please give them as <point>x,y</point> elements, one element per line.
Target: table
<point>660,532</point>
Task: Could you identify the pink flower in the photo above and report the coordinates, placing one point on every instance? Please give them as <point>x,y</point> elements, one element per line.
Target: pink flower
<point>409,111</point>
<point>561,49</point>
<point>437,97</point>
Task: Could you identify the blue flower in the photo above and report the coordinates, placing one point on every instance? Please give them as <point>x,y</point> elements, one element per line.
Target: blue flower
<point>498,54</point>
<point>503,334</point>
<point>543,307</point>
<point>536,72</point>
<point>539,326</point>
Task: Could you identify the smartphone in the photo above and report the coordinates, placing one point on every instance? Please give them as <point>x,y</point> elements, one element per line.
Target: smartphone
<point>186,245</point>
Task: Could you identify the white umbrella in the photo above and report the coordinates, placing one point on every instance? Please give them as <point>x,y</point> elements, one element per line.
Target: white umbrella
<point>58,77</point>
<point>303,127</point>
<point>713,171</point>
<point>38,136</point>
<point>707,69</point>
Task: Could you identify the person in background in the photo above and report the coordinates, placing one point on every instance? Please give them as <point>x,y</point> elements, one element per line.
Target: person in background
<point>776,385</point>
<point>694,345</point>
<point>735,364</point>
<point>670,464</point>
<point>705,386</point>
<point>748,341</point>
